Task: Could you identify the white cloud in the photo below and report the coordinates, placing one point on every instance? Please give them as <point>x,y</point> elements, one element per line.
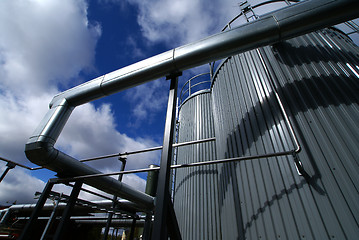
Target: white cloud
<point>19,118</point>
<point>91,132</point>
<point>45,45</point>
<point>136,51</point>
<point>183,21</point>
<point>147,100</point>
<point>18,185</point>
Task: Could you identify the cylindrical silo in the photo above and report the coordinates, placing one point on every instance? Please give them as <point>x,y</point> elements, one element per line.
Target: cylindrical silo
<point>196,188</point>
<point>316,77</point>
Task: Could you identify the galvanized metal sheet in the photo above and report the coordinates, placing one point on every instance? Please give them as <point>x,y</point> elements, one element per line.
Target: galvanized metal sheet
<point>317,77</point>
<point>196,196</point>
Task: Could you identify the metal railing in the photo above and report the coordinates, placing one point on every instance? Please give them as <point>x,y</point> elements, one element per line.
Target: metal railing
<point>188,86</point>
<point>11,164</point>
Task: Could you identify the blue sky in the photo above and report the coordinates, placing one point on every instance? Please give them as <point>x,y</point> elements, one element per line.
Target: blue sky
<point>47,47</point>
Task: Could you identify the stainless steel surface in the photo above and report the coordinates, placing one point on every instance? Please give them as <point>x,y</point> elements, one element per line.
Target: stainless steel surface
<point>162,212</point>
<point>196,189</point>
<point>315,77</point>
<point>144,150</point>
<point>283,24</point>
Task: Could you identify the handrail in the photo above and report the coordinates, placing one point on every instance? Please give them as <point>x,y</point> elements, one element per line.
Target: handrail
<point>228,25</point>
<point>146,150</point>
<point>195,164</point>
<point>270,28</point>
<point>20,165</point>
<point>190,86</point>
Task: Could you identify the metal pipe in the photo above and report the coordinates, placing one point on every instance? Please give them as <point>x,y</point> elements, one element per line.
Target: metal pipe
<point>162,194</point>
<point>152,180</point>
<point>9,166</point>
<point>283,24</point>
<point>29,228</point>
<point>20,165</point>
<point>114,200</point>
<point>267,155</point>
<point>145,150</point>
<point>61,229</point>
<point>133,228</point>
<point>116,222</point>
<point>51,218</point>
<point>92,192</point>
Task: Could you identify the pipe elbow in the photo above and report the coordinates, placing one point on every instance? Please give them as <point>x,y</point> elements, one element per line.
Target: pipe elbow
<point>40,153</point>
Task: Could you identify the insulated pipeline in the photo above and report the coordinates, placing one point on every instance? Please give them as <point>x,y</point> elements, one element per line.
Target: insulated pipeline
<point>291,21</point>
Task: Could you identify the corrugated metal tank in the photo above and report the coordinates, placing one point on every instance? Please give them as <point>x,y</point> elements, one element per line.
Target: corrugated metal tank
<point>196,188</point>
<point>317,79</point>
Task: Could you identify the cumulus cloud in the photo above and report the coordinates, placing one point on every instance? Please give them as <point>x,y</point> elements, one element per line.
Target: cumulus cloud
<point>44,47</point>
<point>91,132</point>
<point>147,100</point>
<point>19,118</point>
<point>179,22</point>
<point>19,186</point>
<point>173,23</point>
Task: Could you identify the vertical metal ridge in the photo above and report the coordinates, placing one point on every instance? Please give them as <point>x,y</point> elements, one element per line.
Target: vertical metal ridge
<point>197,204</point>
<point>315,75</point>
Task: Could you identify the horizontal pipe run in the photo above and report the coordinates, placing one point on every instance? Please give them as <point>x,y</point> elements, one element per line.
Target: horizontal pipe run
<point>268,155</point>
<point>91,192</point>
<point>194,142</point>
<point>146,150</point>
<point>292,21</point>
<point>125,207</point>
<point>94,220</point>
<point>114,222</point>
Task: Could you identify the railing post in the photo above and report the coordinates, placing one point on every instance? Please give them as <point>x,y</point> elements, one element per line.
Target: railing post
<point>9,166</point>
<point>28,231</point>
<point>110,215</point>
<point>62,227</point>
<point>50,221</point>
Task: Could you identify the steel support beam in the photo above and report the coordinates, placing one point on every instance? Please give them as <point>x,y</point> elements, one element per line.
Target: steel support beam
<point>162,197</point>
<point>133,228</point>
<point>110,214</point>
<point>292,21</point>
<point>147,228</point>
<point>51,219</point>
<point>28,231</point>
<point>173,229</point>
<point>63,225</point>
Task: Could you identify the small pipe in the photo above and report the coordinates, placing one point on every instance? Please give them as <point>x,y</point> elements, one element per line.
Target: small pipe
<point>146,150</point>
<point>114,200</point>
<point>278,154</point>
<point>282,24</point>
<point>4,173</point>
<point>50,221</point>
<point>20,165</point>
<point>91,192</point>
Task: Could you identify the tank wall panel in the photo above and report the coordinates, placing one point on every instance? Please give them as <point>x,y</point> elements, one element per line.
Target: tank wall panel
<point>196,196</point>
<point>316,76</point>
